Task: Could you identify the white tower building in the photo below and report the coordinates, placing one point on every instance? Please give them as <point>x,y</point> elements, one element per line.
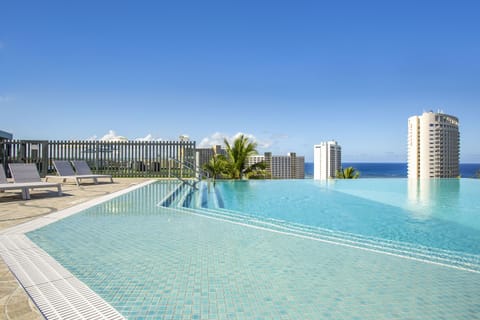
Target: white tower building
<point>433,146</point>
<point>327,159</point>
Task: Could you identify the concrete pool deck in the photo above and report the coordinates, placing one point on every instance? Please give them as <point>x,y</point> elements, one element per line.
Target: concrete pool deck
<point>14,302</point>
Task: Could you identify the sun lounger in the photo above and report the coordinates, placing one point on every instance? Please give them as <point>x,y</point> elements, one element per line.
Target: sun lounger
<point>65,171</point>
<point>3,177</point>
<point>25,177</point>
<point>82,169</point>
<point>5,185</point>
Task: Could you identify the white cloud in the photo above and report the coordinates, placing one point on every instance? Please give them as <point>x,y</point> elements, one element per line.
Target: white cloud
<point>262,143</point>
<point>112,136</point>
<point>148,137</point>
<point>213,140</point>
<point>217,138</point>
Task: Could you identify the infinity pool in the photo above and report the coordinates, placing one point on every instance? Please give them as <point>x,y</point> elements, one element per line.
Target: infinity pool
<point>442,213</point>
<point>384,249</point>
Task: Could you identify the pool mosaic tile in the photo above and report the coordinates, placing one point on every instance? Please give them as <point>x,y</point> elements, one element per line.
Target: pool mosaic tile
<point>178,266</point>
<point>151,262</point>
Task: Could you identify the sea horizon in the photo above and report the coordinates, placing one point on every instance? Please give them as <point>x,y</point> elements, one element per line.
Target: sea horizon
<point>390,169</point>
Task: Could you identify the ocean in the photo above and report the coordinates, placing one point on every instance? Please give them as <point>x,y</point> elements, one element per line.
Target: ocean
<point>390,170</point>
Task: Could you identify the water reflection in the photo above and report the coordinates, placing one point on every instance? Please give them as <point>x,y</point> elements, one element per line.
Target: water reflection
<point>432,197</point>
<point>238,193</point>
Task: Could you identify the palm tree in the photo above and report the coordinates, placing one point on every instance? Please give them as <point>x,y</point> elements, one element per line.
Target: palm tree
<point>347,173</point>
<point>257,171</point>
<point>237,155</point>
<point>216,167</point>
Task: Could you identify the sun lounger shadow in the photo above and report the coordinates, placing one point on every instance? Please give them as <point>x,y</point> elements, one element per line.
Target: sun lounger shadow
<point>65,171</point>
<point>25,177</point>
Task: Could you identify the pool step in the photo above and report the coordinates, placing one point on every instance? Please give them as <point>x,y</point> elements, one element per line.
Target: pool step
<point>207,202</point>
<point>185,196</point>
<point>443,257</point>
<point>177,197</point>
<point>170,197</point>
<point>207,197</point>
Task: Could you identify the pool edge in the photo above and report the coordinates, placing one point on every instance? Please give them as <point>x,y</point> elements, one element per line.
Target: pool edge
<point>54,290</point>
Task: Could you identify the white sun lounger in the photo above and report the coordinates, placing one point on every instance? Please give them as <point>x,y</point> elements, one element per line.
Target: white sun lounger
<point>82,168</point>
<point>25,177</point>
<point>65,171</point>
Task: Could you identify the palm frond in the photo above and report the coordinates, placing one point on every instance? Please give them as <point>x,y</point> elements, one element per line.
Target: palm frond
<point>237,155</point>
<point>347,173</point>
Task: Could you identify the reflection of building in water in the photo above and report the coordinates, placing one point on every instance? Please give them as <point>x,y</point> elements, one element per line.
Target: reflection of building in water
<point>419,192</point>
<point>432,197</point>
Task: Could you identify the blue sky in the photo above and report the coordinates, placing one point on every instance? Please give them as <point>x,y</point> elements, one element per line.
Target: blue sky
<point>290,73</point>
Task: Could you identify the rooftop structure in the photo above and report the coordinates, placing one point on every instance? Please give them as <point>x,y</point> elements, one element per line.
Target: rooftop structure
<point>5,135</point>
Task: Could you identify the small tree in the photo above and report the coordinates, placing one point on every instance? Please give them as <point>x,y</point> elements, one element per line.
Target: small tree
<point>257,171</point>
<point>347,173</point>
<point>216,167</point>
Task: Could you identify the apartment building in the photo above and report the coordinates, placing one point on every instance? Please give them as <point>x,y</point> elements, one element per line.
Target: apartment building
<point>433,146</point>
<point>290,166</point>
<point>327,159</point>
<point>204,155</point>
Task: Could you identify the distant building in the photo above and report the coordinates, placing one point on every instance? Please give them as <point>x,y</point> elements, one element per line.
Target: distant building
<point>278,167</point>
<point>204,155</point>
<point>327,159</point>
<point>5,135</point>
<point>433,146</point>
<point>290,166</point>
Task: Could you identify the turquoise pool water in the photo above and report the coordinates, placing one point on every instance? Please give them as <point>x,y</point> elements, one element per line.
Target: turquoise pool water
<point>280,250</point>
<point>442,213</point>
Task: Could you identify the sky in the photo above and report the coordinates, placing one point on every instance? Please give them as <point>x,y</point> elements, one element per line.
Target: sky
<point>289,74</point>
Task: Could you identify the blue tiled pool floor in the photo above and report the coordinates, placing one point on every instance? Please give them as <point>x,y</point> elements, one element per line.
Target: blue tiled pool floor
<point>175,265</point>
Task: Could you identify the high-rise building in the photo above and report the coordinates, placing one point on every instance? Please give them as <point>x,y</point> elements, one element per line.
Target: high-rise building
<point>327,159</point>
<point>204,155</point>
<point>433,146</point>
<point>290,166</point>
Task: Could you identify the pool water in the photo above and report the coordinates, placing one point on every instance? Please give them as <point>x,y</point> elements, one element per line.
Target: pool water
<point>442,213</point>
<point>280,250</point>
